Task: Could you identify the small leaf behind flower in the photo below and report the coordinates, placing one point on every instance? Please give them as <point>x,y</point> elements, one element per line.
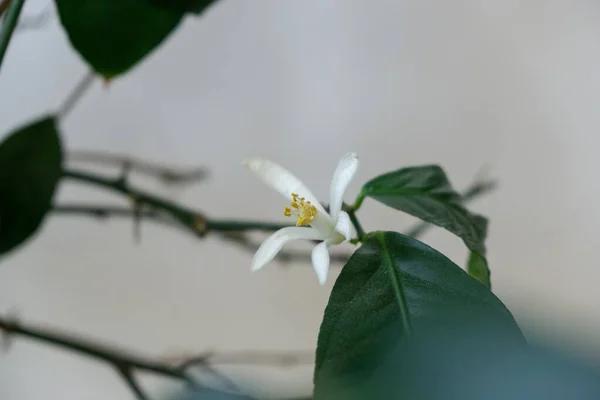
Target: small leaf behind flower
<point>425,192</point>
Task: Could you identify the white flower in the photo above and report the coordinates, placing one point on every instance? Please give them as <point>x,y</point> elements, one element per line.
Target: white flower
<point>330,228</point>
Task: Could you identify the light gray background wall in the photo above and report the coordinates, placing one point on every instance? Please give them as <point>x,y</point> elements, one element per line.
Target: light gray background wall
<point>513,84</point>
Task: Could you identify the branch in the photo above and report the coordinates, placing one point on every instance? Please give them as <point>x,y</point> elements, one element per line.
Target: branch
<point>233,232</point>
<point>195,222</point>
<point>76,94</point>
<point>124,362</point>
<point>128,377</point>
<point>103,211</point>
<point>276,359</point>
<point>13,11</point>
<point>168,175</point>
<point>127,364</point>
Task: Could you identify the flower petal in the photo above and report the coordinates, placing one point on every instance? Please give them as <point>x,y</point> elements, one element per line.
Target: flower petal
<point>281,180</point>
<point>341,178</point>
<point>324,224</point>
<point>273,244</point>
<point>320,261</point>
<point>344,225</point>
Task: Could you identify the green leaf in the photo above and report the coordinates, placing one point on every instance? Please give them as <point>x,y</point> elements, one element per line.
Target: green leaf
<point>477,265</point>
<point>478,268</point>
<point>193,6</point>
<point>426,193</point>
<point>453,368</point>
<point>113,36</point>
<point>364,318</point>
<point>30,168</point>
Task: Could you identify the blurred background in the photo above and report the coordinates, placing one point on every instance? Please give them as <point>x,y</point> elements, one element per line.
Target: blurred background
<point>509,84</point>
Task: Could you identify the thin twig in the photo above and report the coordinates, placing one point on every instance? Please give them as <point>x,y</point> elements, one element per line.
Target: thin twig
<point>34,22</point>
<point>168,175</point>
<point>128,377</point>
<point>195,221</point>
<point>103,211</point>
<point>13,11</point>
<point>76,94</point>
<point>232,235</point>
<point>173,214</point>
<point>137,214</point>
<point>127,364</point>
<point>276,359</point>
<point>478,189</point>
<point>120,359</point>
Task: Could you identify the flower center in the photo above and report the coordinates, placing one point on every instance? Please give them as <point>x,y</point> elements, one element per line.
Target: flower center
<point>302,208</point>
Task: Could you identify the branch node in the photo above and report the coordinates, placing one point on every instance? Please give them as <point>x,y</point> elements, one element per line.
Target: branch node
<point>200,225</point>
<point>7,326</point>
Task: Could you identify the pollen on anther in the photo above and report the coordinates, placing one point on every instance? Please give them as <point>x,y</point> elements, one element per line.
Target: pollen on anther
<point>301,207</point>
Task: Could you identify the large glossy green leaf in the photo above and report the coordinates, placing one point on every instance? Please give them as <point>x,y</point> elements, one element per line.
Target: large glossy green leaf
<point>193,6</point>
<point>30,168</point>
<point>464,367</point>
<point>366,319</point>
<point>425,192</point>
<point>208,394</point>
<point>113,36</point>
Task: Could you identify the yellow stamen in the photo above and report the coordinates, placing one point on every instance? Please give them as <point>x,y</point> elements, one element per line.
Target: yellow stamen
<point>302,208</point>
